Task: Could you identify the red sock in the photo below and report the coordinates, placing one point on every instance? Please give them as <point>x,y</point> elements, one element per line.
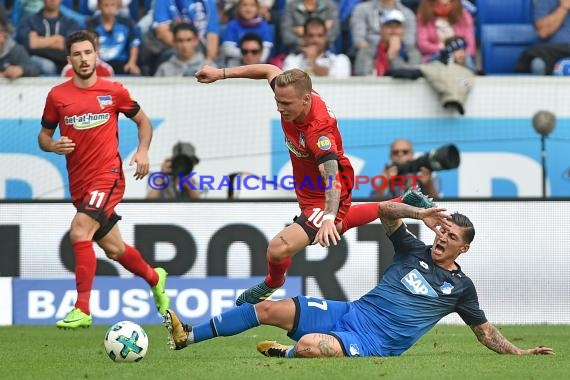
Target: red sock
<point>85,266</point>
<point>359,215</point>
<point>276,276</point>
<point>134,262</point>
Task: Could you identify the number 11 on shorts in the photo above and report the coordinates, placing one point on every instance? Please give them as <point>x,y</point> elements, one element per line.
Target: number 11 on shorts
<point>96,198</point>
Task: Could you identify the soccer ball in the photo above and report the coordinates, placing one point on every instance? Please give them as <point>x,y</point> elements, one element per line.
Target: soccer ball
<point>126,342</point>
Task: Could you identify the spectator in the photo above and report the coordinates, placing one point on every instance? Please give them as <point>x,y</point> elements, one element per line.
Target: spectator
<point>188,58</point>
<point>552,24</point>
<point>251,47</point>
<point>181,162</point>
<point>297,12</point>
<point>392,52</point>
<point>228,9</point>
<point>203,14</point>
<point>25,8</point>
<point>14,60</point>
<point>247,20</point>
<point>455,50</point>
<point>401,152</point>
<point>119,38</point>
<point>365,29</point>
<point>102,68</point>
<point>122,9</point>
<point>316,59</point>
<point>43,35</point>
<point>439,20</point>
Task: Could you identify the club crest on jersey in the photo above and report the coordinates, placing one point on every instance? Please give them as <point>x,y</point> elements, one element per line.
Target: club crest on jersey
<point>354,350</point>
<point>302,139</point>
<point>324,143</point>
<point>417,284</point>
<point>446,288</point>
<point>294,150</point>
<point>105,100</point>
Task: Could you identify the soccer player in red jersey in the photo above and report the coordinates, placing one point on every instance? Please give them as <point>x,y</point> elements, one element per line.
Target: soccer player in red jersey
<point>322,173</point>
<point>87,110</point>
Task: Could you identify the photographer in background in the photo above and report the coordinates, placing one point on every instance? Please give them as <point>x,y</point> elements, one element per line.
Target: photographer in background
<point>182,161</point>
<point>402,152</point>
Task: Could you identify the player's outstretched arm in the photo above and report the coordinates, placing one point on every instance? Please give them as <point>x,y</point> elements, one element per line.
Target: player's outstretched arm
<point>491,338</point>
<point>391,214</point>
<point>209,74</point>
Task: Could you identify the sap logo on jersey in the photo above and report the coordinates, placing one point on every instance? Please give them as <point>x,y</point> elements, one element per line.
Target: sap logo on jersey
<point>324,143</point>
<point>417,284</point>
<point>89,120</point>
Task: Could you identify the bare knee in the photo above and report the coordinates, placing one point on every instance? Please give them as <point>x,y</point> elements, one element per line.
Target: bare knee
<point>264,311</point>
<point>113,250</point>
<point>318,346</point>
<point>278,250</point>
<point>80,230</point>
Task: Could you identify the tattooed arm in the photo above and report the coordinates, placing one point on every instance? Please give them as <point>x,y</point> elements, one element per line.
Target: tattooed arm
<point>391,214</point>
<point>329,172</point>
<point>328,233</point>
<point>491,338</point>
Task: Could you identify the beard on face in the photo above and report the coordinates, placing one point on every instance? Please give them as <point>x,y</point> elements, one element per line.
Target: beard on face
<point>84,76</point>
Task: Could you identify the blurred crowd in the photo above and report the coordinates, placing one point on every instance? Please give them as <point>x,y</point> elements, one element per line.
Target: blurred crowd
<point>336,38</point>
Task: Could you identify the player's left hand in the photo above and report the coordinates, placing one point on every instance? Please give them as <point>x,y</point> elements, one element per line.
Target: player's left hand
<point>143,167</point>
<point>540,350</point>
<point>327,234</point>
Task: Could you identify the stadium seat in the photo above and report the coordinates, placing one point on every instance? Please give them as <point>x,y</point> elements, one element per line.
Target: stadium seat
<point>504,11</point>
<point>502,45</point>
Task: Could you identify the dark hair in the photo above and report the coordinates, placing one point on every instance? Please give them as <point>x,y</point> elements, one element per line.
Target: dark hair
<point>251,37</point>
<point>184,26</point>
<point>79,36</point>
<point>314,21</point>
<point>464,222</point>
<point>4,25</point>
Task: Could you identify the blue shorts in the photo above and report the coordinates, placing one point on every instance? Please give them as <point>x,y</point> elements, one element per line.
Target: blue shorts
<point>315,315</point>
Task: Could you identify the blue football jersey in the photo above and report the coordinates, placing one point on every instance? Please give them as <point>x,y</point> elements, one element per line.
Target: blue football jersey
<point>412,297</point>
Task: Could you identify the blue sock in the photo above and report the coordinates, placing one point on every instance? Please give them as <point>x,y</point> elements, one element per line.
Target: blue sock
<point>228,323</point>
<point>291,352</point>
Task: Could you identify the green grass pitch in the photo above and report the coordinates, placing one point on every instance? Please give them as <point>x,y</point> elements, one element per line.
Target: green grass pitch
<point>447,352</point>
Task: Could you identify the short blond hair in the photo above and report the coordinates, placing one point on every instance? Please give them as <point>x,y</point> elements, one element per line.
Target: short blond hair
<point>297,78</point>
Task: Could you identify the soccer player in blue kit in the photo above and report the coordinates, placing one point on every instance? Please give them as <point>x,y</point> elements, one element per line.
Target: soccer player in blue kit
<point>422,285</point>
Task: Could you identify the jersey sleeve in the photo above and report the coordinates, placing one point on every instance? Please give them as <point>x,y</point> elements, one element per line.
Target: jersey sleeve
<point>468,307</point>
<point>50,116</point>
<point>405,242</point>
<point>125,103</point>
<point>321,142</point>
<point>161,13</point>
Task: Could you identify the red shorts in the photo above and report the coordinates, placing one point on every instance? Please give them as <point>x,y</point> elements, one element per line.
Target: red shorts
<point>99,198</point>
<point>311,218</point>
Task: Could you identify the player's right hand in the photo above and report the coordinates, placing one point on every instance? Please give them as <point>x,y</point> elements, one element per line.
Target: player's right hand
<point>63,146</point>
<point>209,74</point>
<point>434,218</point>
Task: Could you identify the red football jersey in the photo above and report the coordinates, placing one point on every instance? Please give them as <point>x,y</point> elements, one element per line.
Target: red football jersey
<point>88,116</point>
<point>310,144</point>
